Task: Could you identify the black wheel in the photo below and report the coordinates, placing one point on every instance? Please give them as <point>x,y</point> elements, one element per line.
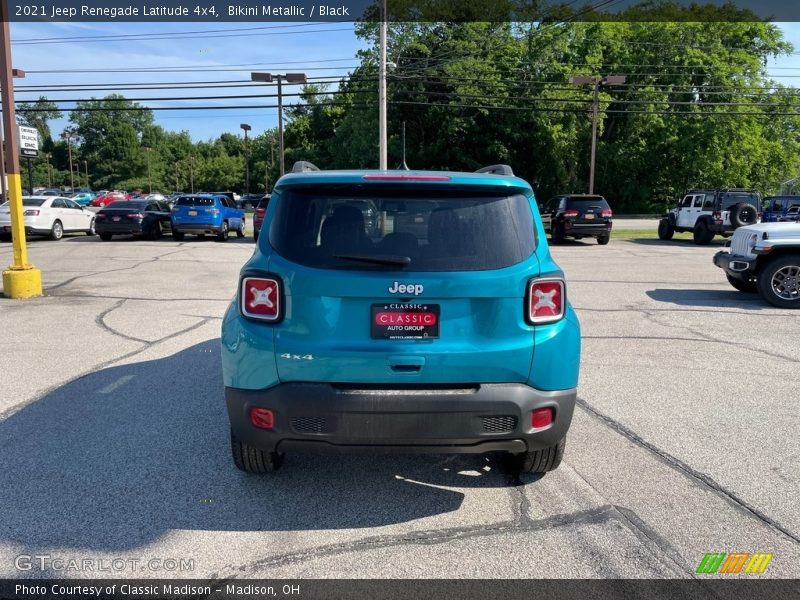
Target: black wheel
<point>178,236</point>
<point>222,236</point>
<point>750,286</point>
<point>240,231</point>
<point>5,237</point>
<point>253,460</point>
<point>665,230</point>
<point>603,239</point>
<point>743,214</point>
<point>154,232</point>
<point>556,233</point>
<point>702,234</point>
<point>106,237</point>
<point>779,281</point>
<point>538,461</point>
<point>57,231</point>
<point>91,230</point>
<point>255,236</point>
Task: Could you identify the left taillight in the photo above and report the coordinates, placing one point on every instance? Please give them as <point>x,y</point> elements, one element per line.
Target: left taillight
<point>260,298</point>
<point>546,301</point>
<point>31,212</point>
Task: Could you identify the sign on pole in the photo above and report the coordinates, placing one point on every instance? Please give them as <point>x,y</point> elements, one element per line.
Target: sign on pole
<point>28,141</point>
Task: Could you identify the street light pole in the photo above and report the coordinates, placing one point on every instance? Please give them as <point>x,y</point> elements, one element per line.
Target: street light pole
<point>86,168</point>
<point>21,279</point>
<point>16,73</point>
<point>382,137</point>
<point>245,127</point>
<point>597,83</point>
<point>280,77</point>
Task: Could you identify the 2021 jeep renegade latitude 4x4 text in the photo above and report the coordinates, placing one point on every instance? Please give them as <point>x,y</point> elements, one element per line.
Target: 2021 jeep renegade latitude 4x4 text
<point>442,327</point>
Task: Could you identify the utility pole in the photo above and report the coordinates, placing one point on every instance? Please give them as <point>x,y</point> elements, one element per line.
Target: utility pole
<point>597,82</point>
<point>288,78</point>
<point>86,168</point>
<point>382,137</point>
<point>147,150</point>
<point>21,279</point>
<point>191,172</point>
<point>49,171</point>
<point>68,135</point>
<point>245,127</point>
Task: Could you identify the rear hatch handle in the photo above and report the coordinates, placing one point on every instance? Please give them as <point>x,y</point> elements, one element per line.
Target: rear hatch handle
<point>406,364</point>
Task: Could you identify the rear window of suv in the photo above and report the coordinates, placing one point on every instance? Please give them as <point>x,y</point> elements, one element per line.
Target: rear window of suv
<point>370,229</point>
<point>190,201</point>
<point>585,202</point>
<point>730,200</point>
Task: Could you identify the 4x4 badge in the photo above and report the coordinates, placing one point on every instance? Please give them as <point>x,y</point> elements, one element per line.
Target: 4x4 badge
<point>401,288</point>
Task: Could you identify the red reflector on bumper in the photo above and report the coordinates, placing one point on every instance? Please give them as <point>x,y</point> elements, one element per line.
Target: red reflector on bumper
<point>541,417</point>
<point>262,418</point>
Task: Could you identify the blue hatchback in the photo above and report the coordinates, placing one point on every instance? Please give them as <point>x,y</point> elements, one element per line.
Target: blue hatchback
<point>202,214</point>
<point>440,326</point>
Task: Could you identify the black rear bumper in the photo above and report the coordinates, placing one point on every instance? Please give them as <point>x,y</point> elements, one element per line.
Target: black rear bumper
<point>435,419</point>
<point>587,229</point>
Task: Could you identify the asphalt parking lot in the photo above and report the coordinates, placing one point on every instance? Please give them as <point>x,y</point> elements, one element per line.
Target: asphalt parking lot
<point>114,435</point>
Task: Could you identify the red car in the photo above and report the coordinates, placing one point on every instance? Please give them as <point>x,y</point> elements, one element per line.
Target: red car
<point>258,217</point>
<point>107,199</point>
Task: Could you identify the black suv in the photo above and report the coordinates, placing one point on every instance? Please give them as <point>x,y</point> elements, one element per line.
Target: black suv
<point>577,216</point>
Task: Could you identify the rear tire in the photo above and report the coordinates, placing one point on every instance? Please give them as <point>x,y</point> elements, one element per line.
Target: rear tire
<point>779,281</point>
<point>538,461</point>
<point>5,237</point>
<point>743,214</point>
<point>253,460</point>
<point>665,230</point>
<point>222,236</point>
<point>240,231</point>
<point>91,230</point>
<point>106,237</point>
<point>57,231</point>
<point>154,233</point>
<point>603,239</point>
<point>749,287</point>
<point>255,236</point>
<point>702,234</point>
<point>178,236</point>
<point>556,234</point>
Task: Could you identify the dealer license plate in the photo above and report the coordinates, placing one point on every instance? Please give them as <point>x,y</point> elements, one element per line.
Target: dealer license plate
<point>404,321</point>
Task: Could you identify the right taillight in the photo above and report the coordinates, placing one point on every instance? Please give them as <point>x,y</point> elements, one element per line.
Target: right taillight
<point>260,298</point>
<point>546,301</point>
<point>260,212</point>
<point>606,213</point>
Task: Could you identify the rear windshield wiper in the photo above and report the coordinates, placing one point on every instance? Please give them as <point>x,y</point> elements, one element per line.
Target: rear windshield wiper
<point>401,261</point>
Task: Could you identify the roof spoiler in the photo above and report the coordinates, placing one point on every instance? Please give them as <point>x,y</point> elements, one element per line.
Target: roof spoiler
<point>497,170</point>
<point>303,166</point>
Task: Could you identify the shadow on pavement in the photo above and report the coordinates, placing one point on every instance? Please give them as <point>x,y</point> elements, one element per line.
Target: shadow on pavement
<point>122,456</point>
<point>676,242</point>
<point>710,298</point>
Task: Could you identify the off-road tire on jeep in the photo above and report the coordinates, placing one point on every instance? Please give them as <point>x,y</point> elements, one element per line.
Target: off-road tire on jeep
<point>253,460</point>
<point>749,287</point>
<point>665,230</point>
<point>779,281</point>
<point>743,214</point>
<point>538,461</point>
<point>603,239</point>
<point>702,234</point>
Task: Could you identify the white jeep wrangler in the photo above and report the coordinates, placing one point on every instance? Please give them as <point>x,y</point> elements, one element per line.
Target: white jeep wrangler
<point>765,258</point>
<point>707,213</point>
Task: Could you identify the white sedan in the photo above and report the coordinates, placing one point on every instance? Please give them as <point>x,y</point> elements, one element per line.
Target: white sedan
<point>50,216</point>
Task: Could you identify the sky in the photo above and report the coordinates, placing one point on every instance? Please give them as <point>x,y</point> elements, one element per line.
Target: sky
<point>224,52</point>
<point>221,52</point>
